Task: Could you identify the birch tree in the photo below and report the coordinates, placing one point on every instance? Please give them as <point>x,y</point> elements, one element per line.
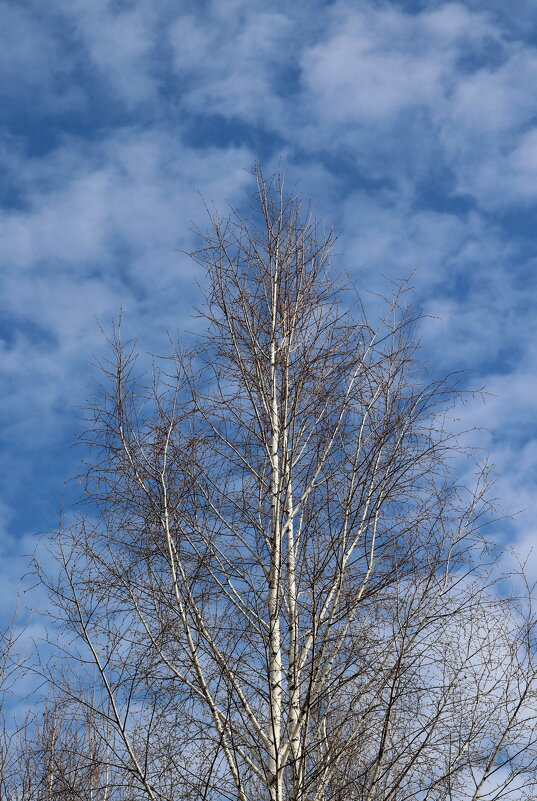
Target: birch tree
<point>282,589</point>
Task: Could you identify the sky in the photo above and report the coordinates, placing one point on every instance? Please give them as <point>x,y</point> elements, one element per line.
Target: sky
<point>411,125</point>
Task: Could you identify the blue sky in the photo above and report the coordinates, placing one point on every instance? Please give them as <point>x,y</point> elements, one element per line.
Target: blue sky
<point>412,125</point>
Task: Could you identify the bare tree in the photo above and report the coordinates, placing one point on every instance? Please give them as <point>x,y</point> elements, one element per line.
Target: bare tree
<point>57,754</point>
<point>281,587</point>
<point>13,720</point>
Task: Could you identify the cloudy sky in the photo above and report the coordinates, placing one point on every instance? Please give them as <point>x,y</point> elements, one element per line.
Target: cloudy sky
<point>411,124</point>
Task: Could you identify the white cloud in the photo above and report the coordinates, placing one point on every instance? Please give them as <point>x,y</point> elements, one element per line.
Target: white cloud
<point>375,62</point>
<point>226,61</point>
<point>353,76</point>
<point>485,133</point>
<point>404,92</point>
<point>31,63</point>
<point>120,44</point>
<point>103,235</point>
<point>385,236</point>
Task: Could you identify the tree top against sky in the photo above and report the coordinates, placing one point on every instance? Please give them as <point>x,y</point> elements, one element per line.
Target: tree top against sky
<point>410,124</point>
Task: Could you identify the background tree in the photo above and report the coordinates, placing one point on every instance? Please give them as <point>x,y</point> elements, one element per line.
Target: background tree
<point>281,587</point>
<point>57,754</point>
<point>12,670</point>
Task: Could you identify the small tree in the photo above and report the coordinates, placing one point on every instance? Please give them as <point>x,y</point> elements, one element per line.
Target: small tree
<point>282,588</point>
<point>12,669</point>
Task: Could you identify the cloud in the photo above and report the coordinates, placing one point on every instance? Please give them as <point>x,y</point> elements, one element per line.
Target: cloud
<point>354,77</point>
<point>376,62</point>
<point>412,95</point>
<point>119,43</point>
<point>487,131</point>
<point>98,229</point>
<point>228,64</point>
<point>31,64</point>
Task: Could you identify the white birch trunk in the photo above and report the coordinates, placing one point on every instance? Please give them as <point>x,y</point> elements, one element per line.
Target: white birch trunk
<point>275,776</point>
